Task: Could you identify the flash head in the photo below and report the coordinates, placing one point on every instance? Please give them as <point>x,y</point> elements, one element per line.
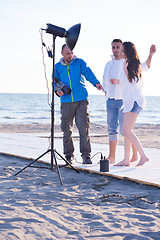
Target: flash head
<point>71,35</point>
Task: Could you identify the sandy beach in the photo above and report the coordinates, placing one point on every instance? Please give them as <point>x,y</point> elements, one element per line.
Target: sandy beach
<point>149,135</point>
<point>33,205</point>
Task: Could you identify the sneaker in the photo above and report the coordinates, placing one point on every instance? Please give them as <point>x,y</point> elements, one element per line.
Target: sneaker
<point>87,160</point>
<point>70,159</point>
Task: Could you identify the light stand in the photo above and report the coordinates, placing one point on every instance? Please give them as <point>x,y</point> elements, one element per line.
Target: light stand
<point>71,38</point>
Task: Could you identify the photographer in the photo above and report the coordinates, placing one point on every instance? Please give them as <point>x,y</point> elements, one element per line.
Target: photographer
<point>71,72</point>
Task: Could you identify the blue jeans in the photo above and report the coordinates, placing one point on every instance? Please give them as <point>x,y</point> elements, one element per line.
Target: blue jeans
<point>115,117</point>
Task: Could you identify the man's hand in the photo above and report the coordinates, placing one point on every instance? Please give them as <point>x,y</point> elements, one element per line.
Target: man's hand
<point>59,93</point>
<point>99,86</point>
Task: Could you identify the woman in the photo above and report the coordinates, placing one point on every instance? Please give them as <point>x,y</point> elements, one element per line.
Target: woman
<point>133,101</point>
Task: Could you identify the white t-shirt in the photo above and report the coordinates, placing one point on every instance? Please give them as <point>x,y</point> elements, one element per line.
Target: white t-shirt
<point>113,70</point>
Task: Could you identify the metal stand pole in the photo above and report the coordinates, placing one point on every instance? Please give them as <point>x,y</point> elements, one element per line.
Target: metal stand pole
<point>52,150</point>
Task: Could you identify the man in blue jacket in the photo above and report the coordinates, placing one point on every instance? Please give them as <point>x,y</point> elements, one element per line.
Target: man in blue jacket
<point>72,72</point>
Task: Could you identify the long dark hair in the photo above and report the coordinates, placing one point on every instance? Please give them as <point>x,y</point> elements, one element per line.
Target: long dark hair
<point>134,70</point>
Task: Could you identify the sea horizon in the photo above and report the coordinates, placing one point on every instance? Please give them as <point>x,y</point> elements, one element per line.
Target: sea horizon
<point>100,94</point>
<point>30,108</point>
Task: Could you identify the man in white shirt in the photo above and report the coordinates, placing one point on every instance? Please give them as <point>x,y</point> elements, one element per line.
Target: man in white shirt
<point>113,91</point>
<point>113,86</point>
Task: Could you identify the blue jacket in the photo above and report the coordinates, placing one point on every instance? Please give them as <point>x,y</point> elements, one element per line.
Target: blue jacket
<point>72,76</point>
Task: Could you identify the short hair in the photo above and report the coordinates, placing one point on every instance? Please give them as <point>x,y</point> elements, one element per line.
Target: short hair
<point>117,40</point>
<point>64,45</point>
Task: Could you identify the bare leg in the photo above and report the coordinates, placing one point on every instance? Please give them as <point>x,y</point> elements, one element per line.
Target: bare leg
<point>127,147</point>
<point>129,121</point>
<point>112,151</point>
<point>134,154</point>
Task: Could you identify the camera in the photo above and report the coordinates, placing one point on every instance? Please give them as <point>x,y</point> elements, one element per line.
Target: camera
<point>62,87</point>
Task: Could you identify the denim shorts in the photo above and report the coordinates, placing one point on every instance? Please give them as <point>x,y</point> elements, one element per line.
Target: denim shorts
<point>136,108</point>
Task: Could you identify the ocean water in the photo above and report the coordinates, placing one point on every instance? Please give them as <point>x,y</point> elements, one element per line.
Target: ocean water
<point>35,108</point>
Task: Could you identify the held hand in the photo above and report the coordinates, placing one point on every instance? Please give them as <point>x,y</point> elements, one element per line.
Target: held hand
<point>114,81</point>
<point>152,49</point>
<point>99,86</point>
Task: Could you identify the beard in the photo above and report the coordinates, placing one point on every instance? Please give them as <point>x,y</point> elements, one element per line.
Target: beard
<point>68,60</point>
<point>116,54</point>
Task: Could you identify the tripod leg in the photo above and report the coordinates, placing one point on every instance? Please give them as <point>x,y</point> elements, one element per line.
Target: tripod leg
<point>57,167</point>
<point>66,161</point>
<point>32,162</point>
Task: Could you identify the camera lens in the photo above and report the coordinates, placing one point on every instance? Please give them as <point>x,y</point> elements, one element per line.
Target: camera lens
<point>67,90</point>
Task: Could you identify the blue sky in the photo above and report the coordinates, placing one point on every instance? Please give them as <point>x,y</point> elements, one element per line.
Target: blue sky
<point>101,21</point>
